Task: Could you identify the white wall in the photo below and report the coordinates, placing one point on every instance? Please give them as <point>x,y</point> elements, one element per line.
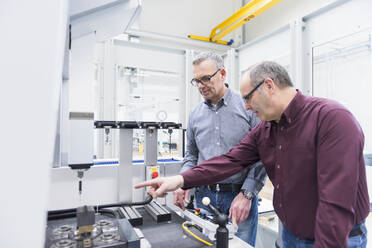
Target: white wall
<point>99,187</point>
<point>280,15</point>
<point>345,78</point>
<point>82,74</point>
<point>33,35</point>
<point>184,17</point>
<point>332,24</point>
<point>81,6</point>
<point>149,59</point>
<point>369,182</point>
<point>275,47</point>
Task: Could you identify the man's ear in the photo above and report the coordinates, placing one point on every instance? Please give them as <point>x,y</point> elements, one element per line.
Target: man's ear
<point>270,86</point>
<point>223,73</point>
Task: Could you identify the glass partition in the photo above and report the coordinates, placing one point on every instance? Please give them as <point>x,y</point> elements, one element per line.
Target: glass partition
<point>342,71</point>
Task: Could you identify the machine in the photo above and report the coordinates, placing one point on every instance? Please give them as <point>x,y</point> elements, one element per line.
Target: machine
<point>88,226</point>
<point>90,230</point>
<point>132,222</point>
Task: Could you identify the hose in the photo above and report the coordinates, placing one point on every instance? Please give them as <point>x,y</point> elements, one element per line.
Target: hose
<point>109,212</point>
<point>71,212</point>
<point>184,227</point>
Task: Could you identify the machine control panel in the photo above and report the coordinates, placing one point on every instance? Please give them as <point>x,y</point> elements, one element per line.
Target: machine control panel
<point>152,172</point>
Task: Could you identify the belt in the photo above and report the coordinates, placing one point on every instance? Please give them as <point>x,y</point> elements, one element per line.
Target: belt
<point>225,187</point>
<point>355,232</point>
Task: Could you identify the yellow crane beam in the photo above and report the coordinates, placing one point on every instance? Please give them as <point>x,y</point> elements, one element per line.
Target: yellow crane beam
<point>242,16</point>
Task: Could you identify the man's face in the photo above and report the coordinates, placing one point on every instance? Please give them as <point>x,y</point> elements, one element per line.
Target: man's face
<point>209,90</point>
<point>258,101</point>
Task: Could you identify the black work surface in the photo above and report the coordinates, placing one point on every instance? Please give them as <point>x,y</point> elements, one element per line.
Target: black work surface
<point>167,234</point>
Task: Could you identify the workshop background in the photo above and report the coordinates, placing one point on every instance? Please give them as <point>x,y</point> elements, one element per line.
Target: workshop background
<point>67,64</point>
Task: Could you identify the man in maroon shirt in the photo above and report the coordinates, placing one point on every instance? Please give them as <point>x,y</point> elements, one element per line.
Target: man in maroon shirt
<point>312,149</point>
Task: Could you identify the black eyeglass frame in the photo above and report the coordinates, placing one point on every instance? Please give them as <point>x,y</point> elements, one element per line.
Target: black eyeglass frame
<point>207,78</point>
<point>249,95</point>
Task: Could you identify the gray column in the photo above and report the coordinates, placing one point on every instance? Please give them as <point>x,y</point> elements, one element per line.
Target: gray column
<point>125,168</point>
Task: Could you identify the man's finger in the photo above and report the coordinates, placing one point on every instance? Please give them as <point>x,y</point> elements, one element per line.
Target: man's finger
<point>243,215</point>
<point>146,183</point>
<point>162,190</point>
<point>177,199</point>
<point>163,195</point>
<point>152,192</point>
<point>180,200</point>
<point>235,225</point>
<point>233,219</point>
<point>187,197</point>
<point>181,204</point>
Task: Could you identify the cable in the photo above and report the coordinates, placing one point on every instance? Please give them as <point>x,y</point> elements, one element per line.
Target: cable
<point>192,234</point>
<point>109,212</point>
<point>65,213</point>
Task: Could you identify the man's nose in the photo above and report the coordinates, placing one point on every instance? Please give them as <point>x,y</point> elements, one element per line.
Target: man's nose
<point>200,85</point>
<point>247,106</point>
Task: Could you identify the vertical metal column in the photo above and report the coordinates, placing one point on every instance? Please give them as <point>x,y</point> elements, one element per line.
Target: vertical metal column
<point>125,168</point>
<point>109,97</point>
<point>151,152</point>
<point>232,69</point>
<point>297,53</point>
<point>151,146</point>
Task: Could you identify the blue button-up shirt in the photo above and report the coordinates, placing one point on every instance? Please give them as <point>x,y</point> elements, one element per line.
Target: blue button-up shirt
<point>215,129</point>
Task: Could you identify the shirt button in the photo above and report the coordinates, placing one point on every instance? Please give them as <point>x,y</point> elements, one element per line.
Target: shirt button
<point>280,147</point>
<point>277,186</point>
<point>289,120</point>
<point>218,143</point>
<point>216,128</point>
<point>278,166</point>
<point>281,128</point>
<point>280,205</point>
<point>216,112</point>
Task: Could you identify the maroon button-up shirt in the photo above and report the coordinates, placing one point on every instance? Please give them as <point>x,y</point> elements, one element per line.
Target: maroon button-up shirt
<point>314,158</point>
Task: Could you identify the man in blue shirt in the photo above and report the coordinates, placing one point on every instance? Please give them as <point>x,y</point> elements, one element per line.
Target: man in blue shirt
<point>215,126</point>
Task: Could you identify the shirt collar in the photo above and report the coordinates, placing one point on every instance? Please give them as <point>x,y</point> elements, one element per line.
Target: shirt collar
<point>293,108</point>
<point>224,100</point>
<point>290,113</point>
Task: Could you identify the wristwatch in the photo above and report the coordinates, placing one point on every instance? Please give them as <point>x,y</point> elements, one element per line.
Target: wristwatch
<point>247,194</point>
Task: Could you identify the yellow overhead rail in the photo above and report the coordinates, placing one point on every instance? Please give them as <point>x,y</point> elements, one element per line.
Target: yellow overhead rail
<point>243,15</point>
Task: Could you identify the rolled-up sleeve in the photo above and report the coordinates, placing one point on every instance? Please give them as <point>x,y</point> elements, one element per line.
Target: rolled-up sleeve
<point>256,178</point>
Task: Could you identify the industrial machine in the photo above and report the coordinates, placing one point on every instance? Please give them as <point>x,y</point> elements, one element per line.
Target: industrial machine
<point>210,228</point>
<point>132,221</point>
<point>108,225</point>
<point>207,223</point>
<point>106,232</point>
<point>88,227</point>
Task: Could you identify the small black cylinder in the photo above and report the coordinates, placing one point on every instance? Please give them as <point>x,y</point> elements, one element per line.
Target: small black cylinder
<point>80,186</point>
<point>222,237</point>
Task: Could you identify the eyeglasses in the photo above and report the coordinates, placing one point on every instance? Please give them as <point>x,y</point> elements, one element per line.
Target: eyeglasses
<point>247,97</point>
<point>204,80</point>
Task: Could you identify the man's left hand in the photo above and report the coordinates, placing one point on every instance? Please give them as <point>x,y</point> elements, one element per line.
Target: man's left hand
<point>239,209</point>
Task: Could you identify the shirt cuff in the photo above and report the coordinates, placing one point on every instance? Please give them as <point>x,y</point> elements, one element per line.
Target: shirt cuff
<point>183,169</point>
<point>187,180</point>
<point>252,186</point>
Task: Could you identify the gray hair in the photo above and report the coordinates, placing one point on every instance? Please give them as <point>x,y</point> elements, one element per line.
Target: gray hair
<point>217,59</point>
<point>269,69</point>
